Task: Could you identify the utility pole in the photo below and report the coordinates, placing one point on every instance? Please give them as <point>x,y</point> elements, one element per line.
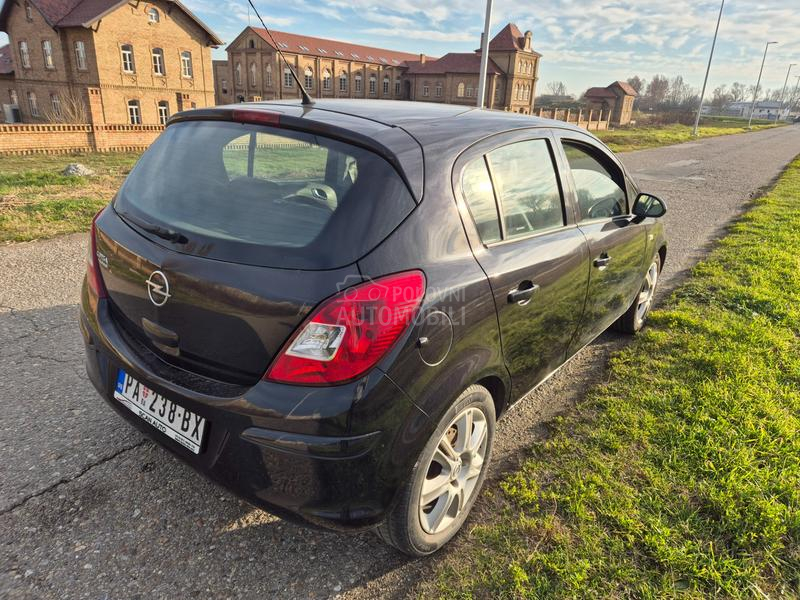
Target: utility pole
<point>758,85</point>
<point>487,26</point>
<point>708,70</point>
<point>793,100</point>
<point>783,91</point>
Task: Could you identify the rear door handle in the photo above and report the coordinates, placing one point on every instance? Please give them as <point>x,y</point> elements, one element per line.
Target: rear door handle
<point>601,262</point>
<point>523,293</point>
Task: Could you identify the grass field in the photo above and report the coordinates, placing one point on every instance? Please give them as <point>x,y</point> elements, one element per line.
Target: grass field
<point>639,138</point>
<point>36,201</point>
<point>680,476</point>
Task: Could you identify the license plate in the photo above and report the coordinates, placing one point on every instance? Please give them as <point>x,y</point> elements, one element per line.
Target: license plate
<point>174,421</point>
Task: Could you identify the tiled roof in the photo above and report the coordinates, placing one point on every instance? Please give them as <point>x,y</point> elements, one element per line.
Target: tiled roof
<point>626,87</point>
<point>80,13</point>
<point>324,48</point>
<point>6,62</point>
<point>454,62</point>
<point>599,92</point>
<point>509,38</point>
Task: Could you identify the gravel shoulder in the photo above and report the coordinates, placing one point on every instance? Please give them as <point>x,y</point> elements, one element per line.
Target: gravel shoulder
<point>90,509</point>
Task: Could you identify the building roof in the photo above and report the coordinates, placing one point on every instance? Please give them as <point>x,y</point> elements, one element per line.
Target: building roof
<point>626,87</point>
<point>599,92</point>
<point>453,62</point>
<point>509,38</point>
<point>325,48</point>
<point>6,62</point>
<point>83,13</point>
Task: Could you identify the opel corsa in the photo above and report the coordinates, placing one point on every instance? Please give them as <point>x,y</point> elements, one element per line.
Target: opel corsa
<point>326,309</point>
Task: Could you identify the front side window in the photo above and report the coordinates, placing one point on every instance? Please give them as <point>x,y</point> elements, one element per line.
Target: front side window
<point>599,187</point>
<point>309,78</point>
<point>479,194</point>
<point>80,55</point>
<point>33,103</point>
<point>127,58</point>
<point>186,64</point>
<point>158,62</point>
<point>24,55</point>
<point>163,112</point>
<point>525,182</point>
<point>55,100</point>
<point>47,54</point>
<point>134,113</point>
<point>288,80</point>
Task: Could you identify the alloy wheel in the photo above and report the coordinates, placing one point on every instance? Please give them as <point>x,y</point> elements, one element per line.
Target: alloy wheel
<point>647,293</point>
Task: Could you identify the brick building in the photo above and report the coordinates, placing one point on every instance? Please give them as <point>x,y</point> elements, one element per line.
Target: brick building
<point>333,69</point>
<point>617,98</point>
<point>118,62</point>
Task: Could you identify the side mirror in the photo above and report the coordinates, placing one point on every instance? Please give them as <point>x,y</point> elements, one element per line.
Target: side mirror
<point>647,205</point>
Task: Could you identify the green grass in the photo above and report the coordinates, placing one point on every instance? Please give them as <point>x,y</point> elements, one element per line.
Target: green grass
<point>639,138</point>
<point>680,476</point>
<point>36,201</point>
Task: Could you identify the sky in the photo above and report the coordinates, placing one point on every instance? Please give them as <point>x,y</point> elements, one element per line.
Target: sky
<point>583,42</point>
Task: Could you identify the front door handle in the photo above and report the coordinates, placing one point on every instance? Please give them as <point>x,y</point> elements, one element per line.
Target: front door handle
<point>523,293</point>
<point>601,262</point>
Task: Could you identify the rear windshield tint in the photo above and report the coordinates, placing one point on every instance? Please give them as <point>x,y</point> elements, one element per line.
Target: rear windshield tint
<point>262,195</point>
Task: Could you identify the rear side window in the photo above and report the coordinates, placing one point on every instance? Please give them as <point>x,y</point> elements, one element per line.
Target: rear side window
<point>599,186</point>
<point>266,196</point>
<point>525,182</point>
<point>477,187</point>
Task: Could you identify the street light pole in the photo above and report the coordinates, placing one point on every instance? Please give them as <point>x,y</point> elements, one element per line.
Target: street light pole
<point>708,70</point>
<point>487,26</point>
<point>793,100</point>
<point>758,85</point>
<point>783,91</point>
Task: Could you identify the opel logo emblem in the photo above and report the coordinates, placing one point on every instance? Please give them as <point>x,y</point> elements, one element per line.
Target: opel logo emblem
<point>158,288</point>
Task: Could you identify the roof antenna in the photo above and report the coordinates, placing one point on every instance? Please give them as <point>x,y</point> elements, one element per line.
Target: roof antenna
<point>306,101</point>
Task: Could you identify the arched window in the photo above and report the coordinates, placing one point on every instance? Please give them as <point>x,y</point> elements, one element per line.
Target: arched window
<point>326,80</point>
<point>153,16</point>
<point>237,74</point>
<point>309,78</point>
<point>359,86</point>
<point>461,89</point>
<point>373,84</point>
<point>251,44</point>
<point>158,62</point>
<point>33,104</point>
<point>268,76</point>
<point>343,82</point>
<point>385,86</point>
<point>253,71</point>
<point>517,91</point>
<point>288,80</point>
<point>438,89</point>
<point>397,88</point>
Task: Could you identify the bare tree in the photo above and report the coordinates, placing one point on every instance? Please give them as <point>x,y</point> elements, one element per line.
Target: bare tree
<point>657,90</point>
<point>68,108</point>
<point>738,91</point>
<point>637,83</point>
<point>557,88</point>
<point>721,97</point>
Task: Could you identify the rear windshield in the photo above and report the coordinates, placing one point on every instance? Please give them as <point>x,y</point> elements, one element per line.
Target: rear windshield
<point>261,195</point>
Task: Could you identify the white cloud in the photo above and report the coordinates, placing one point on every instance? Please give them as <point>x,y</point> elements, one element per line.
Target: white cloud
<point>425,34</point>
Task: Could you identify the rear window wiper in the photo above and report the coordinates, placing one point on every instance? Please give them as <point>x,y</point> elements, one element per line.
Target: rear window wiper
<point>163,232</point>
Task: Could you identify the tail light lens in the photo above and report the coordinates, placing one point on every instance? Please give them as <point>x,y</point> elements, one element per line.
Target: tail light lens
<point>93,275</point>
<point>349,333</point>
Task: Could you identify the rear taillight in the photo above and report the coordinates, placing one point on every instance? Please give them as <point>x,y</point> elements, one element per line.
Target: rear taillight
<point>93,275</point>
<point>349,333</point>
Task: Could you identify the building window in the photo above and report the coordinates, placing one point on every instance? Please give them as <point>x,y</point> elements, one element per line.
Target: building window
<point>80,56</point>
<point>158,62</point>
<point>33,104</point>
<point>359,86</point>
<point>28,11</point>
<point>237,75</point>
<point>47,53</point>
<point>438,89</point>
<point>55,100</point>
<point>460,92</point>
<point>134,114</point>
<point>24,55</point>
<point>469,92</point>
<point>397,87</point>
<point>373,83</point>
<point>309,78</point>
<point>225,87</point>
<point>326,80</point>
<point>13,97</point>
<point>343,82</point>
<point>268,75</point>
<point>385,86</point>
<point>163,112</point>
<point>127,58</point>
<point>153,16</point>
<point>186,64</point>
<point>288,80</point>
<point>426,91</point>
<point>253,71</point>
<point>251,44</point>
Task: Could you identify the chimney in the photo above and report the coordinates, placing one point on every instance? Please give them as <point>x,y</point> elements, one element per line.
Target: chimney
<point>422,59</point>
<point>528,36</point>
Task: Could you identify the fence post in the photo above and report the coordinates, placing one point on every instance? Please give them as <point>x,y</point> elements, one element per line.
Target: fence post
<point>566,117</point>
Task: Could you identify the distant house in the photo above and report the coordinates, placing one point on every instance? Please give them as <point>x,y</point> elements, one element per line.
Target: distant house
<point>763,110</point>
<point>616,98</point>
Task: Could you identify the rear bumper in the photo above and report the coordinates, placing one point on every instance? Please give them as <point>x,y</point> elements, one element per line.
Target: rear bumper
<point>334,457</point>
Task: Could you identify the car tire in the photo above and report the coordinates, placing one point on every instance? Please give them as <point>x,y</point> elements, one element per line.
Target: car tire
<point>411,527</point>
<point>634,318</point>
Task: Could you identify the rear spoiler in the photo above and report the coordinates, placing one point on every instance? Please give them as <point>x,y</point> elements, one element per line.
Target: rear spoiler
<point>405,153</point>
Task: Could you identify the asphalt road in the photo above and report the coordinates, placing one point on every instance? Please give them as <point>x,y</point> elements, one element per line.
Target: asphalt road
<point>89,509</point>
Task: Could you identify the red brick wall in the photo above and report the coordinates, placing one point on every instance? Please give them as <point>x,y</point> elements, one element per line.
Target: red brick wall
<point>56,139</point>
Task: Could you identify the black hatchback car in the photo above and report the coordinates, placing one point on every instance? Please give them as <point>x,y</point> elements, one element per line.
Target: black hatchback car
<point>325,309</point>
